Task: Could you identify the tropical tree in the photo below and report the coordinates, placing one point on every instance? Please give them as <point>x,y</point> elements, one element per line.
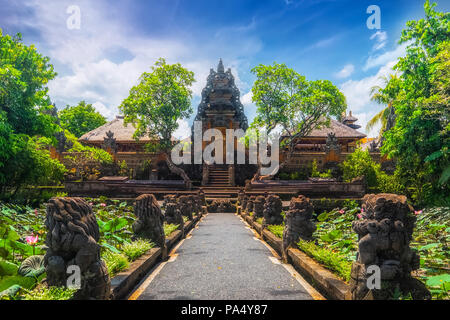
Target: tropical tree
<point>420,139</point>
<point>286,100</point>
<point>386,96</point>
<point>80,119</point>
<point>155,105</point>
<point>26,127</point>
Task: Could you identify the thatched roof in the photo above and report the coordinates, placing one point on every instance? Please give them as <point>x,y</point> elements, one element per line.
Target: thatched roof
<point>339,129</point>
<point>121,132</point>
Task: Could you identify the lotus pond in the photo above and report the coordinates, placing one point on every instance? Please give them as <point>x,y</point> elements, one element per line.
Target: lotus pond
<point>22,236</point>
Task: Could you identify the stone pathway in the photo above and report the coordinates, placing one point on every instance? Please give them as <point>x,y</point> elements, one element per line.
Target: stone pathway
<point>223,260</point>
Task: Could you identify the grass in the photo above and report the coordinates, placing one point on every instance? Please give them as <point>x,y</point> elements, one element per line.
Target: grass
<point>170,228</point>
<point>330,259</point>
<point>135,249</point>
<point>277,230</point>
<point>115,262</point>
<point>52,293</point>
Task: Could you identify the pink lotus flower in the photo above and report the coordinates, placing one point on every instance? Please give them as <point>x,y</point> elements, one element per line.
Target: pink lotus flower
<point>341,211</point>
<point>36,212</point>
<point>32,240</point>
<point>418,212</point>
<point>362,210</point>
<point>359,216</point>
<point>90,203</point>
<point>103,204</point>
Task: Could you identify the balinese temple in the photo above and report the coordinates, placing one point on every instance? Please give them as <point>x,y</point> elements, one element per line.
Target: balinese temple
<point>220,107</point>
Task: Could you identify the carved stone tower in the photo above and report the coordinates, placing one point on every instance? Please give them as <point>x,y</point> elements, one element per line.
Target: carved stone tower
<point>221,109</point>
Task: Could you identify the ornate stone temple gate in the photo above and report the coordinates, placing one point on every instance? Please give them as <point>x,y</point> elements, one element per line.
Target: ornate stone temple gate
<point>221,109</point>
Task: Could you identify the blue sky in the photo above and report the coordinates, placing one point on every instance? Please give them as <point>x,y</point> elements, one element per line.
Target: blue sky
<point>118,40</point>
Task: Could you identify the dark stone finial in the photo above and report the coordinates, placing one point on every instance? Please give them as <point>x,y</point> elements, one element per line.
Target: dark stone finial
<point>220,68</point>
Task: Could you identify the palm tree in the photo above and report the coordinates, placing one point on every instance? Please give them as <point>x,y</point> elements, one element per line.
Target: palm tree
<point>385,96</point>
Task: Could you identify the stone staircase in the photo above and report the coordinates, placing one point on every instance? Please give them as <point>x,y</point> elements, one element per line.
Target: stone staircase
<point>218,176</point>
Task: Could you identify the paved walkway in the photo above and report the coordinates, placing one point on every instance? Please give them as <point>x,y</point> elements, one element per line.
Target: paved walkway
<point>222,260</point>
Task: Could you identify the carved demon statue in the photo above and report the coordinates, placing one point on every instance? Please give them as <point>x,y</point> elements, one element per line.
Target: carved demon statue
<point>72,241</point>
<point>258,207</point>
<point>384,233</point>
<point>172,213</point>
<point>185,206</point>
<point>150,220</point>
<point>272,210</point>
<point>298,223</point>
<point>249,206</point>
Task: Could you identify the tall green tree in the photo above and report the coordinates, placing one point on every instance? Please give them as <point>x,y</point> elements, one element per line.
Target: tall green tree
<point>26,125</point>
<point>286,100</point>
<point>154,106</point>
<point>419,141</point>
<point>81,119</point>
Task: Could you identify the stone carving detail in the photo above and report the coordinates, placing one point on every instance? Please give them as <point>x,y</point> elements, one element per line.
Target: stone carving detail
<point>110,142</point>
<point>332,143</point>
<point>222,206</point>
<point>221,82</point>
<point>196,209</point>
<point>185,206</point>
<point>249,206</point>
<point>202,197</point>
<point>272,210</point>
<point>172,214</point>
<point>150,220</point>
<point>384,233</point>
<point>205,174</point>
<point>258,207</point>
<point>298,223</point>
<point>63,143</point>
<point>241,195</point>
<point>72,240</point>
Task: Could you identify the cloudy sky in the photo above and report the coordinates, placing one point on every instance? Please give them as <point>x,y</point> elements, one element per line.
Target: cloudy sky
<point>118,40</point>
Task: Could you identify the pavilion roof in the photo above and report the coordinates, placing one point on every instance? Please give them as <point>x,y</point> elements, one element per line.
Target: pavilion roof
<point>339,129</point>
<point>121,132</point>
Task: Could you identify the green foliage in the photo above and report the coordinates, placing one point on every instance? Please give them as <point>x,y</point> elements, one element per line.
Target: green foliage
<point>51,293</point>
<point>315,173</point>
<point>420,139</point>
<point>360,163</point>
<point>25,282</point>
<point>161,98</point>
<point>115,262</point>
<point>332,260</point>
<point>285,99</point>
<point>170,228</point>
<point>135,249</point>
<point>277,230</point>
<point>80,119</point>
<point>24,116</point>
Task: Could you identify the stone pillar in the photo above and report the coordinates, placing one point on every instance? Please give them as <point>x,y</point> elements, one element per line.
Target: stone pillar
<point>72,240</point>
<point>205,174</point>
<point>384,233</point>
<point>272,210</point>
<point>231,177</point>
<point>244,203</point>
<point>258,207</point>
<point>150,220</point>
<point>298,223</point>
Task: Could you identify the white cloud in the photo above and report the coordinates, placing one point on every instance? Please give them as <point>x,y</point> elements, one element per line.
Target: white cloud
<point>183,131</point>
<point>383,59</point>
<point>358,94</point>
<point>90,72</point>
<point>346,71</point>
<point>247,98</point>
<point>380,40</point>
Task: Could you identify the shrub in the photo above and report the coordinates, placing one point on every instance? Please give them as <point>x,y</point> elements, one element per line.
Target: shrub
<point>135,249</point>
<point>115,262</point>
<point>330,259</point>
<point>277,230</point>
<point>52,293</point>
<point>169,228</point>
